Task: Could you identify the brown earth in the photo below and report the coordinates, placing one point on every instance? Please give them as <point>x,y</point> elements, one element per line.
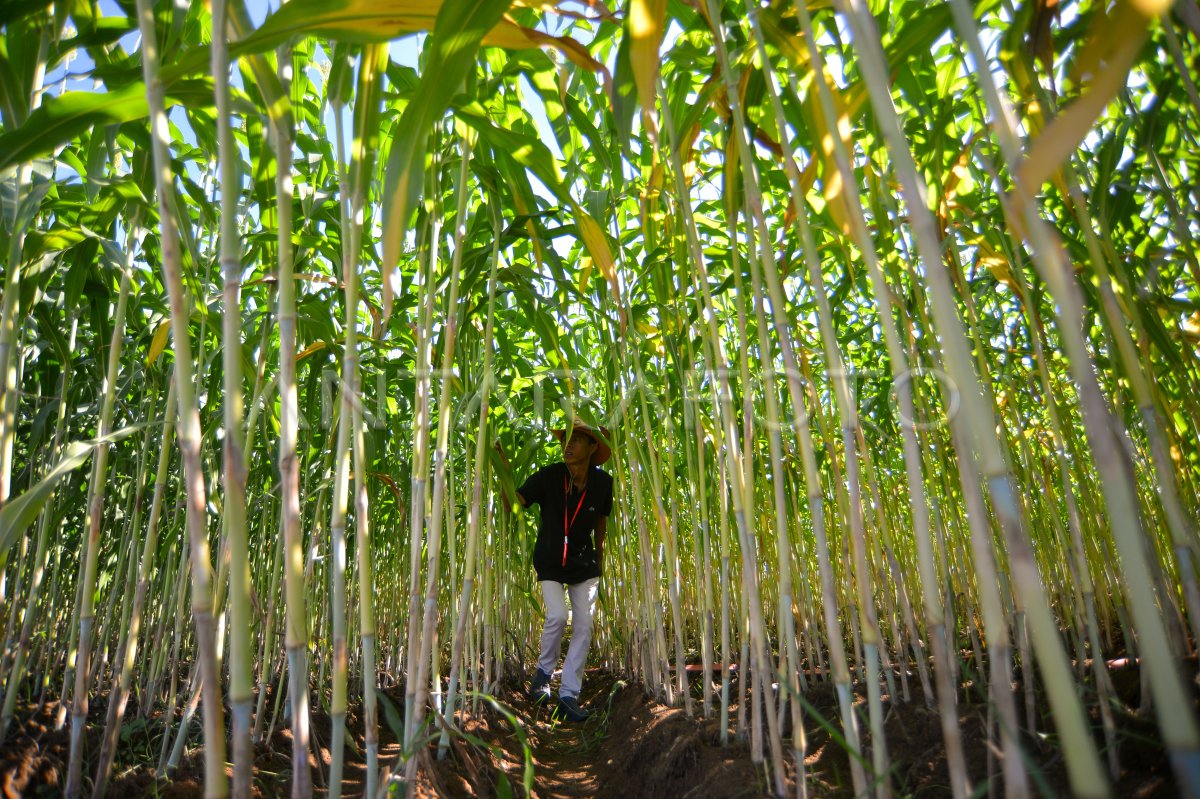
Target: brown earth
<point>631,747</point>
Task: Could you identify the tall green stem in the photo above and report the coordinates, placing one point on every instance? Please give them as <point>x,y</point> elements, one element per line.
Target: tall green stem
<point>91,551</point>
<point>241,678</point>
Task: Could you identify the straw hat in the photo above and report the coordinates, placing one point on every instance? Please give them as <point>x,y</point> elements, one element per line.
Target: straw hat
<point>598,434</point>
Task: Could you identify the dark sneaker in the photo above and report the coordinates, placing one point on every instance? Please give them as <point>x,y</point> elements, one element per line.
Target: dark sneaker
<point>569,710</point>
<point>539,687</point>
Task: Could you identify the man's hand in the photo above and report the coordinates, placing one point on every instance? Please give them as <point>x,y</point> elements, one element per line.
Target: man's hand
<point>508,503</point>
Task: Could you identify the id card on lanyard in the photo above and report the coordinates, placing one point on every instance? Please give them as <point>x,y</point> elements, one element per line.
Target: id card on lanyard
<point>567,522</point>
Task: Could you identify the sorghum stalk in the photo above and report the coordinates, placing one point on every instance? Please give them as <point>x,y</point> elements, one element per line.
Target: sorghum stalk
<point>91,549</point>
<point>215,785</point>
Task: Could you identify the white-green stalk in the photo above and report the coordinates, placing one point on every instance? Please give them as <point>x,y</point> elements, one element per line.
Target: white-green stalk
<point>977,421</point>
<point>474,519</point>
<point>441,454</point>
<point>16,674</point>
<point>668,534</point>
<point>215,784</point>
<point>419,507</point>
<point>1180,730</point>
<point>289,465</point>
<point>374,62</point>
<point>91,549</point>
<point>868,621</point>
<point>341,468</point>
<point>127,654</point>
<point>902,380</point>
<point>241,678</point>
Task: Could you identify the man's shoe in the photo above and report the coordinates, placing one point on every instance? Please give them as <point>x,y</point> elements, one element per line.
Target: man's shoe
<point>569,710</point>
<point>539,687</point>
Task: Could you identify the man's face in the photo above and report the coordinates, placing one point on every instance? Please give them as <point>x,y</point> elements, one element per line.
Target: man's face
<point>579,448</point>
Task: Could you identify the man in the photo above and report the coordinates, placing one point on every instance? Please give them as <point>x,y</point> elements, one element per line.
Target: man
<point>575,496</point>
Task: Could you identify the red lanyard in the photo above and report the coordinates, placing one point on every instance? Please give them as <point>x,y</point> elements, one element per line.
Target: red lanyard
<point>567,524</point>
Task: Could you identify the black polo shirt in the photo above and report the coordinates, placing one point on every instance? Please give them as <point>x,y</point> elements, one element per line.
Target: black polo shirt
<point>564,551</point>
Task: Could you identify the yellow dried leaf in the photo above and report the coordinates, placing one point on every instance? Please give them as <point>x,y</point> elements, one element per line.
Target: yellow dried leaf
<point>645,35</point>
<point>585,273</point>
<point>309,350</point>
<point>597,247</point>
<point>159,342</point>
<point>1111,50</point>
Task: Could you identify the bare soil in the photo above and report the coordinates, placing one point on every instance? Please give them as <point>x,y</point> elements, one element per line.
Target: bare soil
<point>631,746</point>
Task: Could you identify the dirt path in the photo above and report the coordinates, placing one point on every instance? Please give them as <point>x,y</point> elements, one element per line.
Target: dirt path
<point>630,746</point>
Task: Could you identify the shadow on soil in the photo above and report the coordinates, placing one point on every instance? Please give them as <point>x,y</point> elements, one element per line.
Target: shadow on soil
<point>630,747</point>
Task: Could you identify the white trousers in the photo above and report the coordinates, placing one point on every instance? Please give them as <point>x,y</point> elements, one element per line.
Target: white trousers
<point>583,602</point>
